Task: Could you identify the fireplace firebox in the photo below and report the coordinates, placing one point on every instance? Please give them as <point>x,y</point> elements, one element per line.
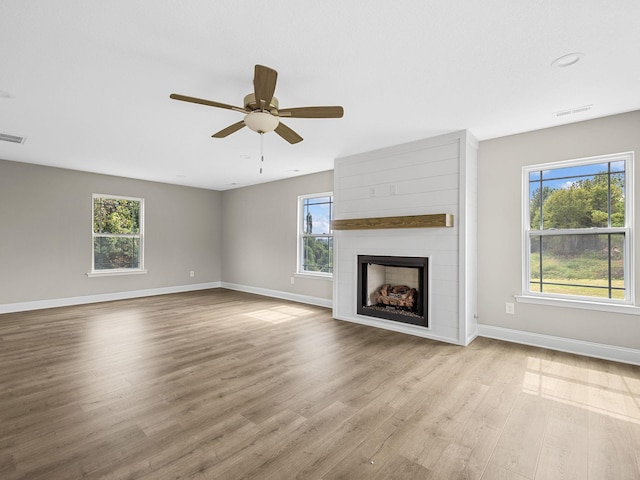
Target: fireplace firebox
<point>394,288</point>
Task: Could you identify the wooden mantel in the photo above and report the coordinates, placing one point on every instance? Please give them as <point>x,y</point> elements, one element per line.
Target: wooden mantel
<point>406,221</point>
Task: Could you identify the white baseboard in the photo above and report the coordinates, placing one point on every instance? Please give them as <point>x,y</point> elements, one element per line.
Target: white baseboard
<point>589,349</point>
<point>102,297</point>
<point>320,302</point>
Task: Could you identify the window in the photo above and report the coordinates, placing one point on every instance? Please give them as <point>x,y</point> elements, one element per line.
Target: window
<point>117,234</point>
<point>315,244</point>
<point>577,229</point>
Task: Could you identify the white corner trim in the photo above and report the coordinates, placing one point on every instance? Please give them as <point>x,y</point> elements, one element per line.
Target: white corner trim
<point>580,347</point>
<point>102,297</point>
<point>294,297</point>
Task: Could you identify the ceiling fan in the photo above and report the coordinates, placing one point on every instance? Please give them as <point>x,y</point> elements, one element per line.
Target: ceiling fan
<point>262,110</point>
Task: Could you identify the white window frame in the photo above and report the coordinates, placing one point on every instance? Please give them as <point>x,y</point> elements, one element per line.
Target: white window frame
<point>139,236</point>
<point>606,304</point>
<point>301,235</point>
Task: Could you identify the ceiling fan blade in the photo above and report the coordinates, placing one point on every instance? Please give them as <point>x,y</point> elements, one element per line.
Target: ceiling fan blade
<point>312,112</point>
<point>264,84</point>
<point>288,134</point>
<point>210,103</point>
<point>229,130</point>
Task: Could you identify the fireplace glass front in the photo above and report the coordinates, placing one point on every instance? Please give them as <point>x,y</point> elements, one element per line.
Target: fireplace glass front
<point>393,288</point>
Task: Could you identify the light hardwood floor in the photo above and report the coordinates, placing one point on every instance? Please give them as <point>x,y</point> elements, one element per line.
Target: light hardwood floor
<point>220,385</point>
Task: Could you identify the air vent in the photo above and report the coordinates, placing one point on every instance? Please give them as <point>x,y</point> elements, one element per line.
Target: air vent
<point>572,111</point>
<point>11,138</point>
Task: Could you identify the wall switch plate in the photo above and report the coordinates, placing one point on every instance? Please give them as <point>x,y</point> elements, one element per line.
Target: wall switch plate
<point>510,308</point>
<point>192,274</point>
<point>293,280</point>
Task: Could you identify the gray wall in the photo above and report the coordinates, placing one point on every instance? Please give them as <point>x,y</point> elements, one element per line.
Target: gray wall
<point>45,242</point>
<point>259,234</point>
<point>500,164</point>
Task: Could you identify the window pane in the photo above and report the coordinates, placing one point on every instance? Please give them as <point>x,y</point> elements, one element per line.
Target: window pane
<point>317,215</point>
<point>617,199</point>
<point>586,265</point>
<point>617,166</point>
<point>534,264</point>
<point>112,215</point>
<point>569,203</point>
<point>616,293</point>
<point>111,252</point>
<point>577,197</point>
<point>537,195</point>
<point>317,255</point>
<point>579,170</point>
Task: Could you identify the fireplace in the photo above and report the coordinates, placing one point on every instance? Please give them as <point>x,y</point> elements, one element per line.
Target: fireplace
<point>394,288</point>
<point>382,192</point>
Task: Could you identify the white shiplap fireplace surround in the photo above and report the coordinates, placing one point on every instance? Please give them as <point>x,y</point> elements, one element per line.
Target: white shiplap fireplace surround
<point>437,175</point>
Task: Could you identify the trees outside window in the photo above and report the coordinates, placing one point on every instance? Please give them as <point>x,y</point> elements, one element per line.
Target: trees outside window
<point>315,235</point>
<point>578,228</point>
<point>117,233</point>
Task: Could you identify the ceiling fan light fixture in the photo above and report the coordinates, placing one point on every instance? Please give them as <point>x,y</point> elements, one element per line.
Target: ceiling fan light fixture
<point>261,122</point>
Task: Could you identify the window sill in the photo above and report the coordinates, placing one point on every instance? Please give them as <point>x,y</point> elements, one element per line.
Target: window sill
<point>317,276</point>
<point>583,304</point>
<point>113,273</point>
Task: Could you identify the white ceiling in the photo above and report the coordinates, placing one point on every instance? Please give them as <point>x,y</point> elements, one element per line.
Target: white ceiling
<point>87,82</point>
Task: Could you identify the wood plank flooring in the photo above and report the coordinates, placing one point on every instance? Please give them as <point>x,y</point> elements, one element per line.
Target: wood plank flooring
<point>219,384</point>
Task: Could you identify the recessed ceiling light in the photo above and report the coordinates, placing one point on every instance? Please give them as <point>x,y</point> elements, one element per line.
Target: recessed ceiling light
<point>567,60</point>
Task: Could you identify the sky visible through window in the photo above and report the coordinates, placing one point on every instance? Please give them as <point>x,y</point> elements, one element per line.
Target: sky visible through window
<point>320,210</point>
<point>558,178</point>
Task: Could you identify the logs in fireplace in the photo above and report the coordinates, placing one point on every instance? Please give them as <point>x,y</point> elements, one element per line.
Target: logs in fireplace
<point>401,297</point>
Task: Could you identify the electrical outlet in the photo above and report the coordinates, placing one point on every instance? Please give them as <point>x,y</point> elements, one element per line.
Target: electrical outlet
<point>510,308</point>
<point>192,274</point>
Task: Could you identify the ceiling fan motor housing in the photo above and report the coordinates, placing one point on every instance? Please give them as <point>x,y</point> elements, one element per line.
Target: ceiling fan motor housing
<point>251,104</point>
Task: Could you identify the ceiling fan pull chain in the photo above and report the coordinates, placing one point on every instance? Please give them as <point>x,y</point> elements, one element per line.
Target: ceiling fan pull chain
<point>261,151</point>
